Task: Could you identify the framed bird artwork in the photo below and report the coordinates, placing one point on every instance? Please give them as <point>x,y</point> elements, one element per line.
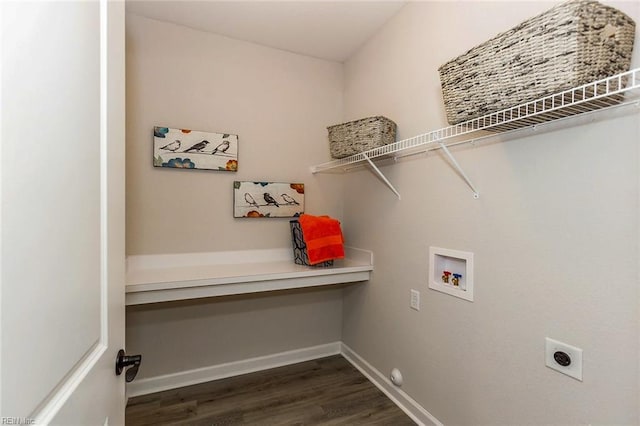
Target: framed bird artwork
<point>268,199</point>
<point>192,149</point>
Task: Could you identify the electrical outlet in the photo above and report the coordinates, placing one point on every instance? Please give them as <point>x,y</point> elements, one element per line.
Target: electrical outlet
<point>564,358</point>
<point>415,300</point>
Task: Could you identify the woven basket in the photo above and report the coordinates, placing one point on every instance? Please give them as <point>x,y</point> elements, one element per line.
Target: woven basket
<point>361,135</point>
<point>300,255</point>
<point>574,43</point>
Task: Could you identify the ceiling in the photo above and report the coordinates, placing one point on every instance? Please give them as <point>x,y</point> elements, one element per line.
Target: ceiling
<point>331,30</point>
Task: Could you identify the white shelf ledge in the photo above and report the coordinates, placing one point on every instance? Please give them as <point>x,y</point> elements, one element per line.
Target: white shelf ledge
<point>618,90</point>
<point>168,277</point>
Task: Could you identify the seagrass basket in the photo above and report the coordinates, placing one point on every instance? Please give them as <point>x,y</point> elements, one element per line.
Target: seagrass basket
<point>360,135</point>
<point>574,43</point>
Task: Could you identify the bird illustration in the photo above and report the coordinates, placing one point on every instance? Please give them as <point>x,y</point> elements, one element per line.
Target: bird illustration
<point>249,199</point>
<point>270,200</point>
<point>223,147</point>
<point>289,200</point>
<point>173,146</point>
<point>197,147</point>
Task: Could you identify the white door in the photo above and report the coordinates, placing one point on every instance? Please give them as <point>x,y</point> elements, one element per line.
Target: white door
<point>62,212</point>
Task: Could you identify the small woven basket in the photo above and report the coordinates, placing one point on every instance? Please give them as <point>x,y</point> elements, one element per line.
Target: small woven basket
<point>360,135</point>
<point>574,43</point>
<point>300,255</point>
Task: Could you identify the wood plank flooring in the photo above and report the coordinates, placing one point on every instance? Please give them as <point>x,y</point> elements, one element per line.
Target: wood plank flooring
<point>327,391</point>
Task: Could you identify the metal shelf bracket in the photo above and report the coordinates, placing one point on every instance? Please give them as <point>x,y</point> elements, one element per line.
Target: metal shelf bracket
<point>455,163</point>
<point>381,175</point>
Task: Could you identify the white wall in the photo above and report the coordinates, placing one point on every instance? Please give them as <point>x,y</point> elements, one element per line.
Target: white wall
<point>180,336</point>
<point>279,104</point>
<point>554,233</point>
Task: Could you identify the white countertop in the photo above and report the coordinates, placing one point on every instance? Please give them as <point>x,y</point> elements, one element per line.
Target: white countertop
<point>167,277</point>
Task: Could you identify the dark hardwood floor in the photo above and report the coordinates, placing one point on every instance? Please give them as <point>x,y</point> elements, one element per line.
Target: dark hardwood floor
<point>327,391</point>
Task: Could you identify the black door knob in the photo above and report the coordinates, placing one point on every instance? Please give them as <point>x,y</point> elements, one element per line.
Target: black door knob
<point>131,362</point>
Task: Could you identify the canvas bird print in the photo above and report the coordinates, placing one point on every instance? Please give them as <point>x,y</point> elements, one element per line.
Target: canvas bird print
<point>268,199</point>
<point>192,149</point>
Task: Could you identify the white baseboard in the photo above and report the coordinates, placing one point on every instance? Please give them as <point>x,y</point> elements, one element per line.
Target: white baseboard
<point>201,375</point>
<point>230,369</point>
<point>407,404</point>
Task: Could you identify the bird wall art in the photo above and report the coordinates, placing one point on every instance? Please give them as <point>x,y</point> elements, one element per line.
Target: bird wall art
<point>268,199</point>
<point>192,149</point>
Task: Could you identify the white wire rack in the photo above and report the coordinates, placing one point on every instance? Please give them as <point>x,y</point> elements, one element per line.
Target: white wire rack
<point>618,90</point>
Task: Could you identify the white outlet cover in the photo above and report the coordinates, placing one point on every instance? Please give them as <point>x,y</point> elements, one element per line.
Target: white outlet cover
<point>572,370</point>
<point>415,300</point>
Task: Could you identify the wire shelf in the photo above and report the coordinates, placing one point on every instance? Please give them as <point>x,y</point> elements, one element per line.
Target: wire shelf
<point>605,93</point>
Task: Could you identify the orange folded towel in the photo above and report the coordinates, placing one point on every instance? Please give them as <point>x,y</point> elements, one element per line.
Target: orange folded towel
<point>323,238</point>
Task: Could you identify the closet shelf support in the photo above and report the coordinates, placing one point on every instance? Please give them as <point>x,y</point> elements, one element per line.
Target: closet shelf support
<point>381,175</point>
<point>455,163</point>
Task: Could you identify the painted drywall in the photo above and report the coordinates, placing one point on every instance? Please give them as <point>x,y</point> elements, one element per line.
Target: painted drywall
<point>181,336</point>
<point>554,233</point>
<point>279,104</point>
